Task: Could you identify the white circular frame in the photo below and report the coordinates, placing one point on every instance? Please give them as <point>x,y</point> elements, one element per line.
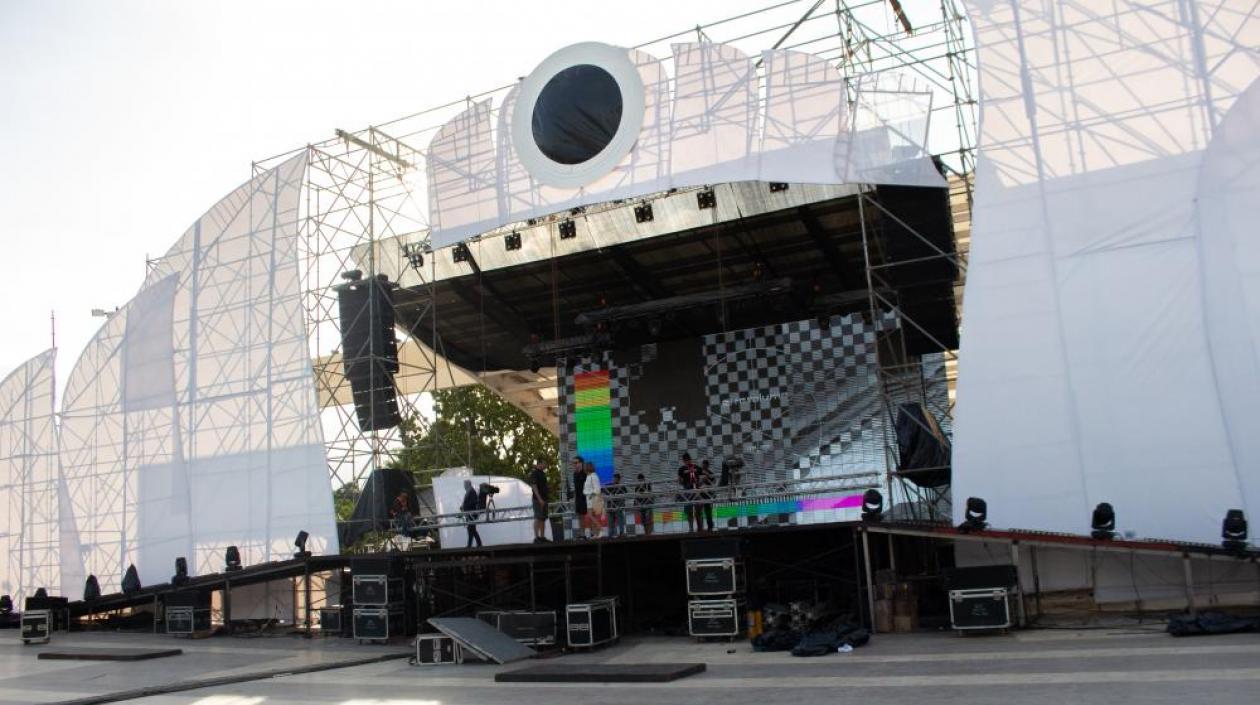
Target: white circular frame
<point>617,63</point>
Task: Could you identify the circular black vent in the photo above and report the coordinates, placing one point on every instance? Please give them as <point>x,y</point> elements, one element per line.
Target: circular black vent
<point>577,114</point>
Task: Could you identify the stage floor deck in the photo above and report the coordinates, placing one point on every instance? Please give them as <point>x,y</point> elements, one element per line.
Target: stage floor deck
<point>1048,667</point>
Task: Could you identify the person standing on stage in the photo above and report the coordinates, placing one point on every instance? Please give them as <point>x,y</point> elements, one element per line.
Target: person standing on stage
<point>644,502</point>
<point>689,480</point>
<point>400,513</point>
<point>541,494</point>
<point>469,508</point>
<point>579,496</point>
<point>595,514</point>
<point>706,497</point>
<point>615,503</point>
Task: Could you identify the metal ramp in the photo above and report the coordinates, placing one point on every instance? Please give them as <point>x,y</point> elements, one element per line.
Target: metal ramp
<point>482,639</point>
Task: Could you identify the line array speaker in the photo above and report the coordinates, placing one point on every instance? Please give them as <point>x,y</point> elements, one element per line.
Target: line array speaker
<point>370,350</point>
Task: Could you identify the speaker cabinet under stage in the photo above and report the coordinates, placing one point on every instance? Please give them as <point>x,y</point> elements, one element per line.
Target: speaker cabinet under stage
<point>370,350</point>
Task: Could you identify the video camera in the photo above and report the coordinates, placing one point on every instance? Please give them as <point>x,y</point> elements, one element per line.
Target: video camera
<point>487,490</point>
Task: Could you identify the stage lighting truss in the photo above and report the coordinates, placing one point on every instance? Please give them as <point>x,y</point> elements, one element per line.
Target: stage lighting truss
<point>570,63</point>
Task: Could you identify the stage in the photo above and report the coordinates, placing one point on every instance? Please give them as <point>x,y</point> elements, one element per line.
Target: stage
<point>1122,663</point>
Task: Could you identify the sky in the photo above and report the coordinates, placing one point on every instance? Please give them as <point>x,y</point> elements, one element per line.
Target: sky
<point>122,121</point>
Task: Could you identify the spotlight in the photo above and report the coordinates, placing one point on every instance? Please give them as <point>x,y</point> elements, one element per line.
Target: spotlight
<point>1103,522</point>
<point>706,199</point>
<point>643,213</point>
<point>91,589</point>
<point>300,542</point>
<point>181,571</point>
<point>1234,531</point>
<point>352,275</point>
<point>512,241</point>
<point>6,604</point>
<point>131,580</point>
<point>777,186</point>
<point>461,253</point>
<point>232,559</point>
<point>975,518</point>
<point>414,253</point>
<point>872,505</point>
<point>568,229</point>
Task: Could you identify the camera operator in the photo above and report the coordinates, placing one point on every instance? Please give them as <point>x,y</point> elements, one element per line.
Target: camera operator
<point>469,507</point>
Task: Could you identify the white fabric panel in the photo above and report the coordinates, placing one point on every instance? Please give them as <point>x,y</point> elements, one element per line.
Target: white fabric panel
<point>28,480</point>
<point>715,115</point>
<point>713,132</point>
<point>1228,206</point>
<point>887,140</point>
<point>1085,372</point>
<point>448,491</point>
<point>237,457</point>
<point>461,173</point>
<point>148,355</point>
<point>805,115</point>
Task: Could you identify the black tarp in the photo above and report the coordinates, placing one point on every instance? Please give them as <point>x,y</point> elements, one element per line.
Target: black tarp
<point>923,450</point>
<point>371,510</point>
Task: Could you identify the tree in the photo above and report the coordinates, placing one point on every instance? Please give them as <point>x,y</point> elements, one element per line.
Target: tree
<point>344,498</point>
<point>476,428</point>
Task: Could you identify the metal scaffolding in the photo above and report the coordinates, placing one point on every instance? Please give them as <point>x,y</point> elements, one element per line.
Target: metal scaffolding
<point>365,209</point>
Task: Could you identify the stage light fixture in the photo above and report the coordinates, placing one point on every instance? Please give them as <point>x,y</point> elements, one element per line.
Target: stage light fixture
<point>91,589</point>
<point>131,580</point>
<point>300,542</point>
<point>41,593</point>
<point>181,571</point>
<point>975,518</point>
<point>232,559</point>
<point>1234,531</point>
<point>414,252</point>
<point>6,604</point>
<point>512,241</point>
<point>1103,522</point>
<point>461,253</point>
<point>352,275</point>
<point>777,186</point>
<point>872,505</point>
<point>643,213</point>
<point>568,229</point>
<point>706,199</point>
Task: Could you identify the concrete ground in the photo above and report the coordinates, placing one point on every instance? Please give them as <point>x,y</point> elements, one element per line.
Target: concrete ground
<point>1059,667</point>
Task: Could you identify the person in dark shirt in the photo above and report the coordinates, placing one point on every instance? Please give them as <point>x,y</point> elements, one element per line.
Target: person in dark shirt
<point>616,507</point>
<point>688,480</point>
<point>400,513</point>
<point>705,507</point>
<point>469,507</point>
<point>541,495</point>
<point>579,499</point>
<point>644,502</point>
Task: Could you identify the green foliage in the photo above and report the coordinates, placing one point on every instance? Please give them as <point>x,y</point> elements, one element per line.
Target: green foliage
<point>344,498</point>
<point>477,428</point>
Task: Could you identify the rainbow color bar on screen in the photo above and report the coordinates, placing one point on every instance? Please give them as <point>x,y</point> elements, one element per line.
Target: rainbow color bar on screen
<point>784,506</point>
<point>594,421</point>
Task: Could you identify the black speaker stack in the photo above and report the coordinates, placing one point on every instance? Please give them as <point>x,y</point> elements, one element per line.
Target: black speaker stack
<point>369,348</point>
<point>381,605</point>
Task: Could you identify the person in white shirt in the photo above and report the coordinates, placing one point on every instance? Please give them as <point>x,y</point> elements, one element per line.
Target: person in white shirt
<point>594,501</point>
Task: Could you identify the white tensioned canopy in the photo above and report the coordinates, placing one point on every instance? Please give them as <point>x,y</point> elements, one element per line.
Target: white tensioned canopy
<point>706,124</point>
<point>1111,338</point>
<point>190,423</point>
<point>29,537</point>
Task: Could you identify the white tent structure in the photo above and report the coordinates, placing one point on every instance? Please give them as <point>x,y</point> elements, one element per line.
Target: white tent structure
<point>190,423</point>
<point>30,539</point>
<point>1111,337</point>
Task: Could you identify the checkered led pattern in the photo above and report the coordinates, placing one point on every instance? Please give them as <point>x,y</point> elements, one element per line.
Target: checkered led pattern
<point>792,400</point>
